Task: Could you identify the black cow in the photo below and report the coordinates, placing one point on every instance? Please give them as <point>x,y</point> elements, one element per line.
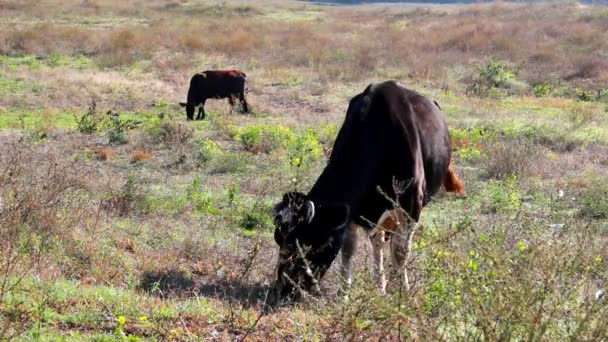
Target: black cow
<point>215,84</point>
<point>391,135</point>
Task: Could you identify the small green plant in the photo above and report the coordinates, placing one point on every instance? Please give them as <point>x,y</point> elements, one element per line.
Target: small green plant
<point>202,201</point>
<point>87,122</point>
<point>232,193</point>
<point>493,78</point>
<point>304,148</point>
<point>207,150</point>
<point>117,127</point>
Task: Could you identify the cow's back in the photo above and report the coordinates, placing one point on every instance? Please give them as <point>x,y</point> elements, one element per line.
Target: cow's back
<point>217,83</point>
<point>386,129</point>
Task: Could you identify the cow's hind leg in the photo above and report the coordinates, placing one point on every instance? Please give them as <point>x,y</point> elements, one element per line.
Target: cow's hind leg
<point>349,249</point>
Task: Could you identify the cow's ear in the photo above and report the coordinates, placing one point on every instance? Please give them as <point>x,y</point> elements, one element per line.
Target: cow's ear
<point>183,104</point>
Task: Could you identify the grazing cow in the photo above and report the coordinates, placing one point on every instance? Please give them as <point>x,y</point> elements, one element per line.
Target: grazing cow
<point>215,84</point>
<point>392,148</point>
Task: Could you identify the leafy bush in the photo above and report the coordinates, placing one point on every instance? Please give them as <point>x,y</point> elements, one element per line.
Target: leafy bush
<point>201,201</point>
<point>87,122</point>
<point>495,74</point>
<point>263,138</point>
<point>207,150</point>
<point>541,90</point>
<point>304,148</point>
<point>583,95</point>
<point>493,78</point>
<point>256,220</point>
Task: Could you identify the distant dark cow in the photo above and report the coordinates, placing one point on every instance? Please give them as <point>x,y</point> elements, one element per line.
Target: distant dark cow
<point>394,144</point>
<point>215,84</point>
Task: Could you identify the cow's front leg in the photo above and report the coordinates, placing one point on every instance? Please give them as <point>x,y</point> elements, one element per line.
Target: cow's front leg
<point>201,111</point>
<point>349,249</point>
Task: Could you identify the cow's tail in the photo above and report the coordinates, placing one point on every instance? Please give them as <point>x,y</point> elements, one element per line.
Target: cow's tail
<point>452,183</point>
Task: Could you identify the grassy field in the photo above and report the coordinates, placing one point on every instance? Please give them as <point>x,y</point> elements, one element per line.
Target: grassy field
<point>143,226</point>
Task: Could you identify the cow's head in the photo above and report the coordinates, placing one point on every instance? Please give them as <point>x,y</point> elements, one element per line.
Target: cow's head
<point>189,109</point>
<point>309,236</point>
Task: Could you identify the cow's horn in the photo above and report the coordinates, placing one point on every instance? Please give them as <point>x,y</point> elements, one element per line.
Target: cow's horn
<point>310,211</point>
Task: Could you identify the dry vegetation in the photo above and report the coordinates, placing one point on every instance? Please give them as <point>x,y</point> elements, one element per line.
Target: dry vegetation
<point>120,220</point>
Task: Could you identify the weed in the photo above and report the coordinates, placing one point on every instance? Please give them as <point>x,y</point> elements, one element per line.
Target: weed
<point>117,128</point>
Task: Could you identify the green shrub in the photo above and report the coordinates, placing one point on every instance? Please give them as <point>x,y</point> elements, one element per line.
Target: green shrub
<point>304,148</point>
<point>493,78</point>
<point>264,138</point>
<point>201,201</point>
<point>87,122</point>
<point>117,128</point>
<point>583,95</point>
<point>207,150</point>
<point>541,90</point>
<point>256,220</point>
<point>495,74</point>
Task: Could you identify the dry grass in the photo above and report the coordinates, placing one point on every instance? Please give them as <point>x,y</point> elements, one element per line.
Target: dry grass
<point>140,154</point>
